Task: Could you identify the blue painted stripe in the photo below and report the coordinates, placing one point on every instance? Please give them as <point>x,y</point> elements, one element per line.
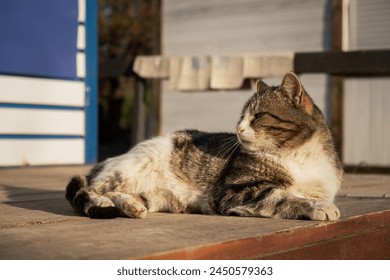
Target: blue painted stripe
<point>40,136</point>
<point>91,80</point>
<point>39,106</point>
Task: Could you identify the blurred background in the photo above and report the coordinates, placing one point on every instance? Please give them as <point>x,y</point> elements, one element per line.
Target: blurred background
<point>69,95</point>
<point>126,29</point>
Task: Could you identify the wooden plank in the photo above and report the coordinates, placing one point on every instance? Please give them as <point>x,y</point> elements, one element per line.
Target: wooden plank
<point>367,124</point>
<point>372,24</point>
<point>80,65</point>
<point>45,178</point>
<point>354,63</point>
<point>226,72</point>
<point>151,66</point>
<point>371,244</point>
<point>81,37</point>
<point>273,244</point>
<point>41,151</point>
<point>36,222</point>
<point>24,90</point>
<point>41,121</point>
<point>48,237</point>
<point>211,27</point>
<point>267,65</point>
<point>82,10</point>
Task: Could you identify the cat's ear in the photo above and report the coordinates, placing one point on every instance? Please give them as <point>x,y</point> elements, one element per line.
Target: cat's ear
<point>293,87</point>
<point>260,85</point>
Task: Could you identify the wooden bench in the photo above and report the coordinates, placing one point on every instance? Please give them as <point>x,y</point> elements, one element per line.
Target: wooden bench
<point>38,223</point>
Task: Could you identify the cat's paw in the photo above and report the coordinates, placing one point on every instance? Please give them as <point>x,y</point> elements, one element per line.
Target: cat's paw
<point>325,211</point>
<point>102,201</point>
<point>134,209</point>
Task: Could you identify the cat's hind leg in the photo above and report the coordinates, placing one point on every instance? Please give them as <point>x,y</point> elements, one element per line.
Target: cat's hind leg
<point>86,202</point>
<point>130,205</point>
<point>274,202</point>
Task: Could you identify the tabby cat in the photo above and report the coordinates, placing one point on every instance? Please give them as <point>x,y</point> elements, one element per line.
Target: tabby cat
<point>280,163</point>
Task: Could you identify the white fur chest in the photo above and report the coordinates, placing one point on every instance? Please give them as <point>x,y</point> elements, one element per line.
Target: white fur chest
<point>314,176</point>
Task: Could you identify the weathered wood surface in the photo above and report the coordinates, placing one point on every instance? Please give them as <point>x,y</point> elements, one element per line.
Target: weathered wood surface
<point>353,63</point>
<point>36,222</point>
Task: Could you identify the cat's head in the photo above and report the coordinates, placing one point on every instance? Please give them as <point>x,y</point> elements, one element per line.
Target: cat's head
<point>278,117</point>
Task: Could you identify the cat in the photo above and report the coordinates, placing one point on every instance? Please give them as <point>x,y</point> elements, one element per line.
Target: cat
<point>280,163</point>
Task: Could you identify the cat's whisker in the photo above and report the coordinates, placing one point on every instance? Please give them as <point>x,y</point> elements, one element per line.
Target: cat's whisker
<point>229,141</point>
<point>230,151</point>
<point>226,148</point>
<point>227,145</point>
<point>237,145</point>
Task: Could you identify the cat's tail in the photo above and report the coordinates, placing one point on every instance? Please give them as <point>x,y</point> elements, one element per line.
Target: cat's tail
<point>80,199</point>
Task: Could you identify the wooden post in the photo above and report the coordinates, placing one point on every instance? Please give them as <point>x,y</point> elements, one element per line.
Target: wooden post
<point>336,80</point>
<point>154,119</point>
<point>139,109</point>
<point>155,116</point>
<point>337,104</point>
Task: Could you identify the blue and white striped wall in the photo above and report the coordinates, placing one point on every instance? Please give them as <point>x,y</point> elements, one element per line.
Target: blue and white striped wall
<point>48,82</point>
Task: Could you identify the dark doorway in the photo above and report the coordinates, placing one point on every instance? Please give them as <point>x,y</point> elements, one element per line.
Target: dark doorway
<point>127,28</point>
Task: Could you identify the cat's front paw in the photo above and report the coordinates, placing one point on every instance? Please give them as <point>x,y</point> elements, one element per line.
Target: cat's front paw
<point>325,211</point>
<point>102,201</point>
<point>134,209</point>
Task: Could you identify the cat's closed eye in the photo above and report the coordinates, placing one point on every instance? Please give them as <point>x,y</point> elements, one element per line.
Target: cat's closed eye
<point>258,116</point>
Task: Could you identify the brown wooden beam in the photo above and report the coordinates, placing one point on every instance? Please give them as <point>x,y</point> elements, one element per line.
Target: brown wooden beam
<point>343,239</point>
<point>354,63</point>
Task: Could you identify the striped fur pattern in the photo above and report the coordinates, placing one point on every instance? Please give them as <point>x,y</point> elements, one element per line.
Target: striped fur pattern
<point>280,163</point>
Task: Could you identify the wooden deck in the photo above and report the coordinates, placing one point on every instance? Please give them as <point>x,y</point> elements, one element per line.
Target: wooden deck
<point>36,222</point>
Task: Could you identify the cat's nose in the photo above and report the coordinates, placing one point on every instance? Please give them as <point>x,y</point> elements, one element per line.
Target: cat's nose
<point>240,129</point>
